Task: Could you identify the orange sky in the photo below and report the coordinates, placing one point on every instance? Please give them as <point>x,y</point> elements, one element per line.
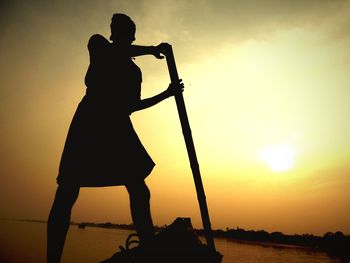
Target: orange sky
<point>267,94</point>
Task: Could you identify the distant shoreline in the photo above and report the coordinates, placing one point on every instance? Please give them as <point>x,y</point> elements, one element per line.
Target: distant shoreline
<point>334,244</point>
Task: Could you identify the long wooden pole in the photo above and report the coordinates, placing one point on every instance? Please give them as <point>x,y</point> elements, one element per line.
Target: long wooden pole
<point>174,77</point>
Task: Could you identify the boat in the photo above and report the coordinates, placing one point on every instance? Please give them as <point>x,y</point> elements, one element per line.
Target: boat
<point>177,243</point>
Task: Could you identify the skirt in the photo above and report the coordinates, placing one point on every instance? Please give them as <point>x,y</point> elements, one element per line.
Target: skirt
<point>102,149</point>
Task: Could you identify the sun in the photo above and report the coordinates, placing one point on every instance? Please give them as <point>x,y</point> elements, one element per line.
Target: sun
<point>279,158</point>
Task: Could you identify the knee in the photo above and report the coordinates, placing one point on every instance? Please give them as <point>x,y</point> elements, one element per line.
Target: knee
<point>139,190</point>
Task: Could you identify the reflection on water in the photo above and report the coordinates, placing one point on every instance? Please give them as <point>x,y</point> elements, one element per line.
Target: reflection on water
<point>25,242</point>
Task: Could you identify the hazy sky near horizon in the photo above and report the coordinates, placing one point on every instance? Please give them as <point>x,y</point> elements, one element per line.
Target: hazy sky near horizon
<point>267,90</point>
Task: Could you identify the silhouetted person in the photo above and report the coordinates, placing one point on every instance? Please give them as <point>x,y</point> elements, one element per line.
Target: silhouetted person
<point>102,147</point>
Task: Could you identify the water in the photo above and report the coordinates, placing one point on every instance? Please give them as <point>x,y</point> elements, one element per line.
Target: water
<point>24,242</point>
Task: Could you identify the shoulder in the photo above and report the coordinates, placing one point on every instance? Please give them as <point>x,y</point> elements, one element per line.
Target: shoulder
<point>97,42</point>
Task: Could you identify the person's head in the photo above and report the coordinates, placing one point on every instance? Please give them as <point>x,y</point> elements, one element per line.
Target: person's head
<point>122,29</point>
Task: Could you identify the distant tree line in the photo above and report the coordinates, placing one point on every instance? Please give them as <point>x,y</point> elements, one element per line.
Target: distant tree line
<point>104,225</point>
<point>335,244</point>
<point>110,225</point>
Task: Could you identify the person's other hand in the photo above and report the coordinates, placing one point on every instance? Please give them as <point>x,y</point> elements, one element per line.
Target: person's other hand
<point>175,88</point>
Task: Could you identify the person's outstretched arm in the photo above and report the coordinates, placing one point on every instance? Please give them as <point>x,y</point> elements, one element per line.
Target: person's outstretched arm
<point>157,51</point>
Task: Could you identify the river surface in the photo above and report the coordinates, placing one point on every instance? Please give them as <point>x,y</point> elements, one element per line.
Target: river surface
<point>25,242</point>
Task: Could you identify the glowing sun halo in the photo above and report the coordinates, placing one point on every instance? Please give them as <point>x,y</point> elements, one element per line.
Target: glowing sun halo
<point>279,158</point>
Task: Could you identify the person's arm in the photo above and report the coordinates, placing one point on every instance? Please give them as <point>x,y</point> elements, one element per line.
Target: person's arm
<point>172,89</point>
<point>157,51</point>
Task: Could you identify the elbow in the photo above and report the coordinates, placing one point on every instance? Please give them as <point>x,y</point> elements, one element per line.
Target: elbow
<point>133,108</point>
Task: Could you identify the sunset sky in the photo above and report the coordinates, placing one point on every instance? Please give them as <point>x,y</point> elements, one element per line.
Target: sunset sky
<point>267,91</point>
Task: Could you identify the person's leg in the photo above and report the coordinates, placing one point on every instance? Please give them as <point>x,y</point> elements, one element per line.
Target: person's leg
<point>140,210</point>
<point>59,220</point>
